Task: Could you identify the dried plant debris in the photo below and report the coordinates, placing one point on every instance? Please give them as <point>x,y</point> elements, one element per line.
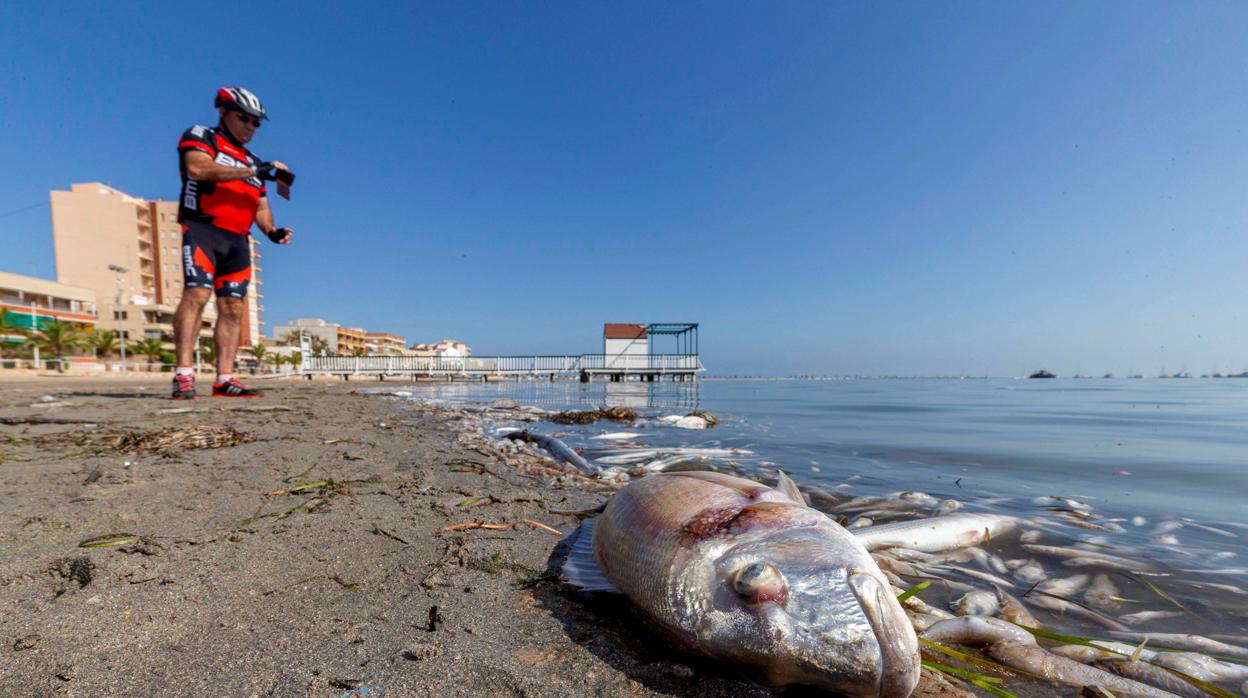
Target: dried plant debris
<point>711,420</point>
<point>614,414</point>
<point>182,438</point>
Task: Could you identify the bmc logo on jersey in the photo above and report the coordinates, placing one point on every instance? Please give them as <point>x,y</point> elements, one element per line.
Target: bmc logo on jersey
<point>231,161</point>
<point>190,198</point>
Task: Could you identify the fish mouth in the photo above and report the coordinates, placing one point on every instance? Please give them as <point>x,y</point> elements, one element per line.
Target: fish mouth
<point>899,648</point>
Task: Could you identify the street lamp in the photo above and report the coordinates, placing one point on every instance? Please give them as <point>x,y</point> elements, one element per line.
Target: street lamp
<point>121,332</point>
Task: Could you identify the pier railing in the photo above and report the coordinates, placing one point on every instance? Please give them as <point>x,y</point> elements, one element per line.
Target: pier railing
<point>511,365</point>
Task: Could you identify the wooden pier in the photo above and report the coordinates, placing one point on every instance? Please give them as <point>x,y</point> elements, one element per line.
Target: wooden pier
<point>586,367</point>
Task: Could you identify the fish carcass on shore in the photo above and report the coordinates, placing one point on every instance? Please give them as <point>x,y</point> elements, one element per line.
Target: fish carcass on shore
<point>742,572</point>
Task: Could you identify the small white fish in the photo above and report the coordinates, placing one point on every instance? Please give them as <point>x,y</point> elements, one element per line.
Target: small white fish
<point>977,603</point>
<point>639,454</point>
<point>617,436</point>
<point>1101,593</point>
<point>1085,557</point>
<point>1030,573</point>
<point>1211,529</point>
<point>936,534</point>
<point>988,561</point>
<point>1146,616</point>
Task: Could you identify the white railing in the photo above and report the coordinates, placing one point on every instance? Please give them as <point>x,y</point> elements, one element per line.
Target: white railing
<point>502,364</point>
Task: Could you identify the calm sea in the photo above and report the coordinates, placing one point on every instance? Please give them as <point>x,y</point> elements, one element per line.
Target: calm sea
<point>1149,447</point>
<point>1158,468</point>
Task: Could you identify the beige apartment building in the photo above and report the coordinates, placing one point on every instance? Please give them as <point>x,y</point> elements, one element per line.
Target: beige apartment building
<point>128,251</point>
<point>33,302</point>
<point>352,339</point>
<point>386,343</point>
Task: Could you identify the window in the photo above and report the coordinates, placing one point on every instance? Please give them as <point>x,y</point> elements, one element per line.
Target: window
<point>119,315</point>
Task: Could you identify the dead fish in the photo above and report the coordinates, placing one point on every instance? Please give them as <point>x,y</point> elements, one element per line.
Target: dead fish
<point>1102,594</point>
<point>1089,556</point>
<point>1013,610</point>
<point>1030,572</point>
<point>744,573</point>
<point>1146,616</point>
<point>1211,529</point>
<point>861,522</point>
<point>1185,641</point>
<point>1190,663</point>
<point>988,561</point>
<point>936,534</point>
<point>1015,647</point>
<point>1133,669</point>
<point>977,603</point>
<point>617,436</point>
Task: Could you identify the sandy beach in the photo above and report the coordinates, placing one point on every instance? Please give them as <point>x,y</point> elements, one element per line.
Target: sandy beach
<point>239,571</point>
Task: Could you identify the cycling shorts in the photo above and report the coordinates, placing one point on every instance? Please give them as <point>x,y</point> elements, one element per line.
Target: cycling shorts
<point>216,258</point>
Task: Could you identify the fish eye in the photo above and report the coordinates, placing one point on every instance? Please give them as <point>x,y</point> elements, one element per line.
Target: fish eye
<point>759,582</point>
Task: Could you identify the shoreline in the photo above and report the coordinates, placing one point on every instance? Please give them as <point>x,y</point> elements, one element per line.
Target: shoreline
<point>316,591</point>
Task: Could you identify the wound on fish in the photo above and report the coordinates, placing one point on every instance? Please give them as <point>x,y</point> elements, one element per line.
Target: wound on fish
<point>719,521</point>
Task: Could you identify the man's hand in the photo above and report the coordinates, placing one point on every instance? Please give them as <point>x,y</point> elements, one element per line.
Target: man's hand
<point>280,235</point>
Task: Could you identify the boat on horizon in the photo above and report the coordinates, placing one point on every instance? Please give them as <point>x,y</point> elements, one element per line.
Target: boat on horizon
<point>1042,374</point>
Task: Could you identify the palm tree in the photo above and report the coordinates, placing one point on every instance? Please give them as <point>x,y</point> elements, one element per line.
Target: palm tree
<point>359,351</point>
<point>208,350</point>
<point>151,347</point>
<point>258,351</point>
<point>58,337</point>
<point>104,342</point>
<point>9,328</point>
<point>296,358</point>
<point>320,347</point>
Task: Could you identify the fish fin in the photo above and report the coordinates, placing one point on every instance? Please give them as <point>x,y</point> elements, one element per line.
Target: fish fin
<point>581,568</point>
<point>585,511</point>
<point>788,487</point>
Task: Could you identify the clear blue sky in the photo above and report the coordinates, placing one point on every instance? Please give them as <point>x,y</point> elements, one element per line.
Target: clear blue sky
<point>914,188</point>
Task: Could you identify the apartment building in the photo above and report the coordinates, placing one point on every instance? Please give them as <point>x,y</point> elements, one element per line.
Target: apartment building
<point>444,347</point>
<point>127,250</point>
<point>352,340</point>
<point>344,341</point>
<point>309,327</point>
<point>385,343</point>
<point>33,302</point>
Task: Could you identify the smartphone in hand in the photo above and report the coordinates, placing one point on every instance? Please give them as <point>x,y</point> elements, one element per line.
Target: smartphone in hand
<point>284,180</point>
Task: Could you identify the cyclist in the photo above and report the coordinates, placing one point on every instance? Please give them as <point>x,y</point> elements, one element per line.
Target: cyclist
<point>223,194</point>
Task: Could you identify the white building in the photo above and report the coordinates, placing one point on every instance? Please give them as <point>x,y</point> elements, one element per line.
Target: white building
<point>625,346</point>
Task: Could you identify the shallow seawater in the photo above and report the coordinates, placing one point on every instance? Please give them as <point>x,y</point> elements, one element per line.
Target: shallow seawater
<point>1151,471</point>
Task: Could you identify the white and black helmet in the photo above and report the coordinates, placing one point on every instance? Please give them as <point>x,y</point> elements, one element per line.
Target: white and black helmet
<point>240,99</point>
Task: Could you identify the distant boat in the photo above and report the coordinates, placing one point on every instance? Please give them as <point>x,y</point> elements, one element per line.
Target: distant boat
<point>1042,374</point>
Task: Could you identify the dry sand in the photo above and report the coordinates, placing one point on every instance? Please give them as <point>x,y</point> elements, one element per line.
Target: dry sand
<point>234,588</point>
<point>338,600</point>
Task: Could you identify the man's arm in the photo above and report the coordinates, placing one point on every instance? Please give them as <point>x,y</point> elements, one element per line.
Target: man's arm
<point>264,221</point>
<point>200,167</point>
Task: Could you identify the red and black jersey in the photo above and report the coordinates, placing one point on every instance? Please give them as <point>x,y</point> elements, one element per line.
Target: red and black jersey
<point>228,205</point>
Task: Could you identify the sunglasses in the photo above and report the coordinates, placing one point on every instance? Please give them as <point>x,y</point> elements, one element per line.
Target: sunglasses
<point>247,119</point>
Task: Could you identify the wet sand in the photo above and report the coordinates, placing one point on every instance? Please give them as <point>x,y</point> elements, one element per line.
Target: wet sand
<point>242,572</point>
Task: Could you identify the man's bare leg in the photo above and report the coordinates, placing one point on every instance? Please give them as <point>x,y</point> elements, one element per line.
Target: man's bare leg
<point>186,324</point>
<point>229,330</point>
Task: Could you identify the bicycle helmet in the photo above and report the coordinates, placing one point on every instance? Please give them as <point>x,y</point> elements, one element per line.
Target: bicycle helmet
<point>240,99</point>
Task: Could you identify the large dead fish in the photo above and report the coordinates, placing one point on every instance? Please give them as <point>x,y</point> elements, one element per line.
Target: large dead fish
<point>744,573</point>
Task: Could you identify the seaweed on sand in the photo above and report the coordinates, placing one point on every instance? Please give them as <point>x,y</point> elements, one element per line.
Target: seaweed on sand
<point>614,414</point>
